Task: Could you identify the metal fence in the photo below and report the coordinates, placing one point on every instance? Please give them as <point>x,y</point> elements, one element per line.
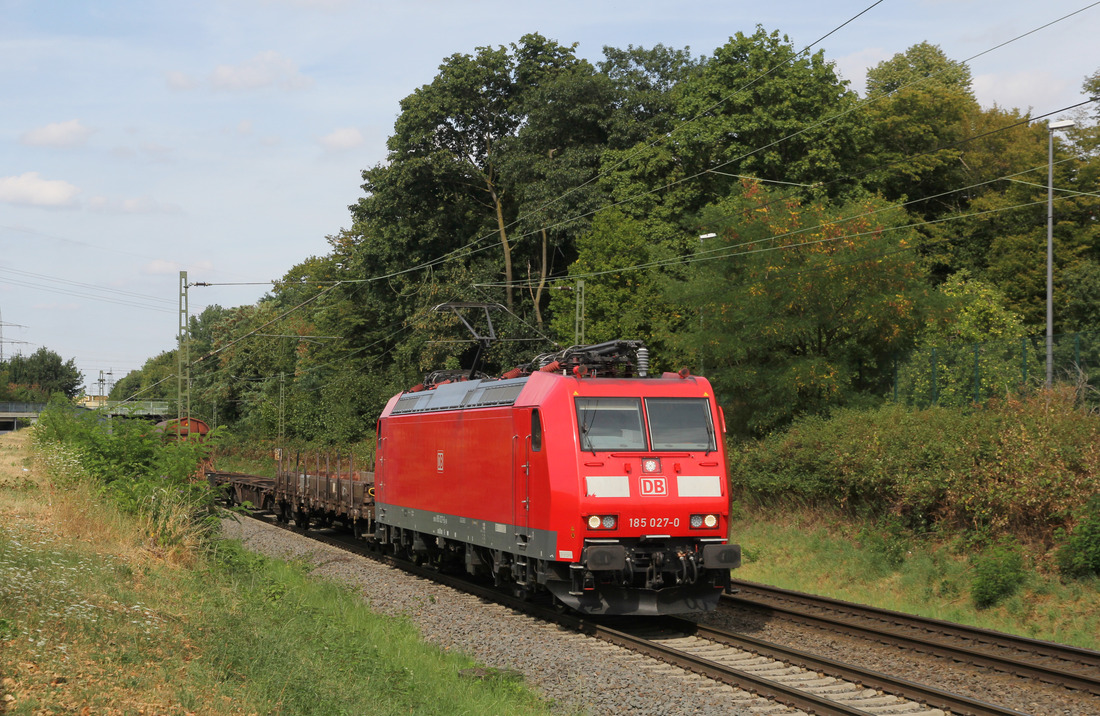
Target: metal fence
<point>22,408</point>
<point>965,373</point>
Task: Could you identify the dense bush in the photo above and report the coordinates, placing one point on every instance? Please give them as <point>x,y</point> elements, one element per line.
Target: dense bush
<point>1022,466</point>
<point>1079,556</point>
<point>998,573</point>
<point>132,464</point>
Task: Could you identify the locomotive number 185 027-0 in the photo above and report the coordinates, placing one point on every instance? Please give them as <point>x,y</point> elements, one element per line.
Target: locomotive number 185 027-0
<point>653,521</point>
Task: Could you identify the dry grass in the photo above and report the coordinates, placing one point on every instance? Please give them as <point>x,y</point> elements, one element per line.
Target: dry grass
<point>77,634</point>
<point>95,620</point>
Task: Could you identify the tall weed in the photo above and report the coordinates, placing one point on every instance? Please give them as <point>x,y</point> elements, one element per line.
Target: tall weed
<point>1079,556</point>
<point>998,573</point>
<point>135,467</point>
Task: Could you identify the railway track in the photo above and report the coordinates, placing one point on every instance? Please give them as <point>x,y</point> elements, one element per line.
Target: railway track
<point>786,676</point>
<point>1052,663</point>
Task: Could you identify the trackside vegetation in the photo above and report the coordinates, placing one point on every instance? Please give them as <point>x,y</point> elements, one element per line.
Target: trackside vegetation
<point>1009,489</point>
<point>117,597</point>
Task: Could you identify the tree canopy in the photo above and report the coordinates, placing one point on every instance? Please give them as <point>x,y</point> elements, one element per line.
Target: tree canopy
<point>36,377</point>
<point>745,212</point>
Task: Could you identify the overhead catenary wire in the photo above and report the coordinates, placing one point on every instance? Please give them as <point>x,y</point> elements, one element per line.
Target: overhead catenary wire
<point>493,234</point>
<point>725,251</point>
<point>436,261</point>
<point>860,105</point>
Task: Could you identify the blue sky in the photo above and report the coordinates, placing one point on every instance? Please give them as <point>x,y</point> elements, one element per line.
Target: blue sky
<point>140,138</point>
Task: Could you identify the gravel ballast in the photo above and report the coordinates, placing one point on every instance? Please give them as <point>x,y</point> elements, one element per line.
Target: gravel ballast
<point>577,674</point>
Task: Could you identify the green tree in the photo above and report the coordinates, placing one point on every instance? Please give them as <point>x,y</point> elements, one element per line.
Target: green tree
<point>44,373</point>
<point>970,350</point>
<point>756,107</point>
<point>452,129</point>
<point>919,105</point>
<point>802,307</point>
<point>554,158</point>
<point>621,299</point>
<point>155,380</point>
<point>646,82</point>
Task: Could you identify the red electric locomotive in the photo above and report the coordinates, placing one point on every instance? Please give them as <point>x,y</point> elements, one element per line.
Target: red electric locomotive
<point>577,474</point>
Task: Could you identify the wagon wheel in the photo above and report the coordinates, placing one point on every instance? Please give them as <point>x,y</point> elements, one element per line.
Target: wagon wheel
<point>301,519</point>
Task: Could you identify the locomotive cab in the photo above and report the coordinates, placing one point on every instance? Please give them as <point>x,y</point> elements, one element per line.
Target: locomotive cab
<point>578,475</point>
<point>653,505</point>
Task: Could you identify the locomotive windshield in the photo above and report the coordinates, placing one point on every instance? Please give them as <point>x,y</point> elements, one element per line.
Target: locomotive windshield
<point>680,424</point>
<point>616,424</point>
<point>610,423</point>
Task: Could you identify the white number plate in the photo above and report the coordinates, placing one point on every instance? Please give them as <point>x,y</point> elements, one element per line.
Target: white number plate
<point>653,522</point>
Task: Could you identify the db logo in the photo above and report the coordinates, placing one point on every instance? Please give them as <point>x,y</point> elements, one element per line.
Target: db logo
<point>439,461</point>
<point>654,486</point>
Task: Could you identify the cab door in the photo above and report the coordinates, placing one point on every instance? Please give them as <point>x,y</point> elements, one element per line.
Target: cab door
<point>529,466</point>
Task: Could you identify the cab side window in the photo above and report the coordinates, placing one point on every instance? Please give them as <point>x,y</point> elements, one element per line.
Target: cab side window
<point>536,431</point>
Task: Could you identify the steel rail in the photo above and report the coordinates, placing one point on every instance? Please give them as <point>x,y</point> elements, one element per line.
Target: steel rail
<point>955,703</point>
<point>746,681</point>
<point>767,688</point>
<point>927,643</point>
<point>771,690</point>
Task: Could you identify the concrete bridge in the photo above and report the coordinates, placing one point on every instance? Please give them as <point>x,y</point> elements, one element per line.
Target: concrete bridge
<point>12,415</point>
<point>16,415</point>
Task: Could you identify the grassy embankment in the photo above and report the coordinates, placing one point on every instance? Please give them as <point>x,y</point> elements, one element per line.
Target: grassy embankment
<point>988,516</point>
<point>966,515</point>
<point>97,618</point>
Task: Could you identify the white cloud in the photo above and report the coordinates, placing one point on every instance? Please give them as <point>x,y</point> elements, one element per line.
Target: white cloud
<point>1020,90</point>
<point>854,67</point>
<point>264,70</point>
<point>138,205</point>
<point>344,138</point>
<point>160,267</point>
<point>180,81</point>
<point>58,134</point>
<point>164,267</point>
<point>32,190</point>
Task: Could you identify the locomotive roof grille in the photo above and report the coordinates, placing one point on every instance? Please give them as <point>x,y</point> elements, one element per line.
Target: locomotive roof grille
<point>461,396</point>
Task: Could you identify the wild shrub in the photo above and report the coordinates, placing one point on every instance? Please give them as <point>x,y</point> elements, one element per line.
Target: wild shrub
<point>886,545</point>
<point>141,472</point>
<point>1079,555</point>
<point>998,573</point>
<point>1015,466</point>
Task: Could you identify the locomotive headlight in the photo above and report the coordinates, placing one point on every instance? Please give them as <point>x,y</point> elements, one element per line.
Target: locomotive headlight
<point>651,465</point>
<point>699,522</point>
<point>602,522</point>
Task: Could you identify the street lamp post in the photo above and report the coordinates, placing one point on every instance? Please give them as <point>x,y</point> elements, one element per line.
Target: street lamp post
<point>1051,126</point>
<point>702,336</point>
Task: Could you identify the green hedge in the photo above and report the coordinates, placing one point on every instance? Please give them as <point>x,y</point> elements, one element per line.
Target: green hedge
<point>1023,466</point>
